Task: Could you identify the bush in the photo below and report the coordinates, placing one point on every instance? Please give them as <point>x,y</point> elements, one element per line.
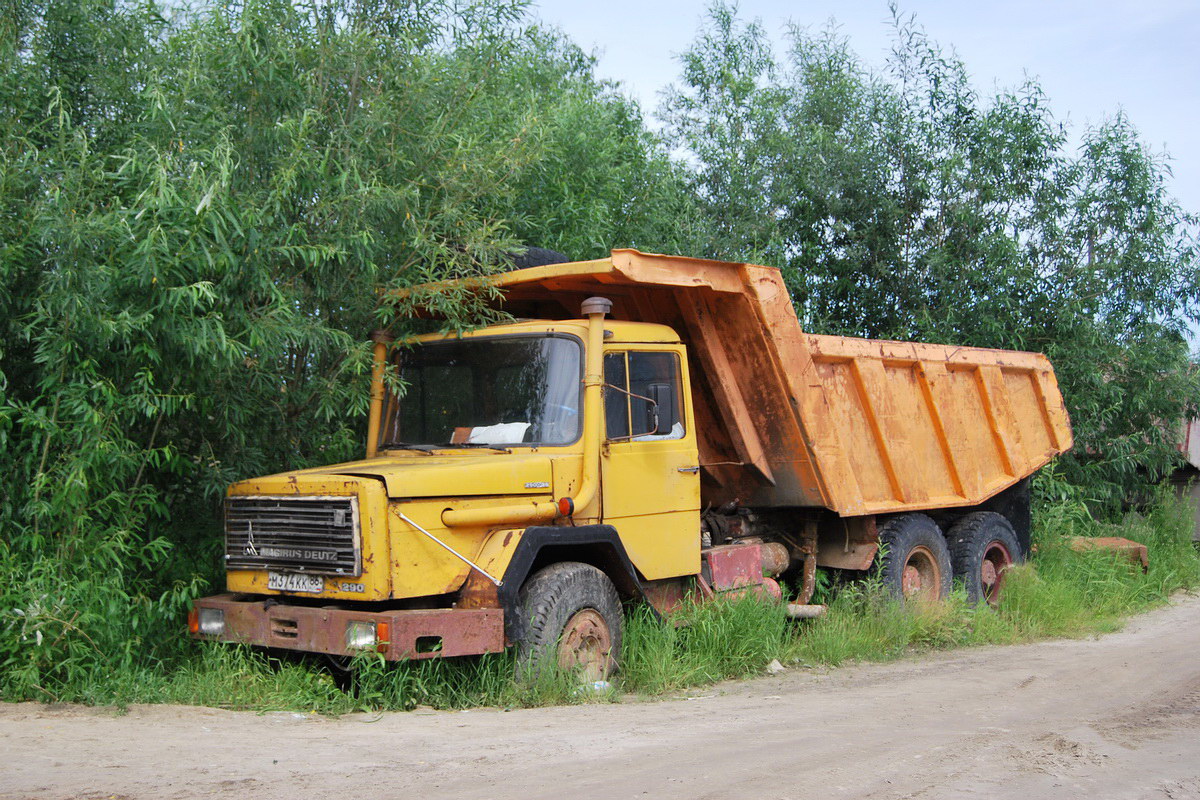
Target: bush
<point>199,214</point>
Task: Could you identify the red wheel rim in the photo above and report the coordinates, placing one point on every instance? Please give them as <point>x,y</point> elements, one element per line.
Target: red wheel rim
<point>996,561</point>
<point>922,575</point>
<point>586,645</point>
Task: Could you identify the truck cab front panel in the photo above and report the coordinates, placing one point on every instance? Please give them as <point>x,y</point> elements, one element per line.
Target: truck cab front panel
<point>308,536</point>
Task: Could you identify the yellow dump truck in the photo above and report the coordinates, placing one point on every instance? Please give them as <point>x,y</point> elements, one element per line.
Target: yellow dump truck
<point>649,429</point>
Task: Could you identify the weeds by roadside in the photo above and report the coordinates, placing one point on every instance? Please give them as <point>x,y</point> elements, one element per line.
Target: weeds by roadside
<point>1062,593</point>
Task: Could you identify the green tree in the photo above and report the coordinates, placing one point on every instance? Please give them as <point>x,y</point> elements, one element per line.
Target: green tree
<point>727,116</point>
<point>199,219</point>
<point>902,204</point>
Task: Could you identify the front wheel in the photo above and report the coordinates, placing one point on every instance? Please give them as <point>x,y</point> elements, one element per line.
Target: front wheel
<point>983,546</point>
<point>573,616</point>
<point>914,561</point>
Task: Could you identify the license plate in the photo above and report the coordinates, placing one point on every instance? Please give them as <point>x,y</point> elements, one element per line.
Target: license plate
<point>292,582</point>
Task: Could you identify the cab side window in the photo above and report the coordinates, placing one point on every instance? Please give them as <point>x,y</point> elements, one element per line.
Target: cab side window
<point>642,400</point>
<point>616,402</point>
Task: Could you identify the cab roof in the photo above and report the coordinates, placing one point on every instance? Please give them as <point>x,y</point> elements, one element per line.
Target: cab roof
<point>616,331</point>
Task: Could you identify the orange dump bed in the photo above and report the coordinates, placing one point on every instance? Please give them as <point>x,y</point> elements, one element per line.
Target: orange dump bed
<point>787,418</point>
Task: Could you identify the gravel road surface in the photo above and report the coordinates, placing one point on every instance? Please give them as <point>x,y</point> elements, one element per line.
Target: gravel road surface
<point>1107,718</point>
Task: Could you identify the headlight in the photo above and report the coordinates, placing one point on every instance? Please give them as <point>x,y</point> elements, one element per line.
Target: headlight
<point>360,635</point>
<point>212,621</point>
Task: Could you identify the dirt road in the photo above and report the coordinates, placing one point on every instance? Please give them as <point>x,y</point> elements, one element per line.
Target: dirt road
<point>1115,717</point>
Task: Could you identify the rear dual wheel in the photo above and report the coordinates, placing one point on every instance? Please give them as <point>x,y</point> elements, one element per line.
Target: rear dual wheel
<point>914,561</point>
<point>983,546</point>
<point>917,561</point>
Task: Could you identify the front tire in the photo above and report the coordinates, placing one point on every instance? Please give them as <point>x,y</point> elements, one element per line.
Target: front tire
<point>983,546</point>
<point>573,618</point>
<point>914,561</point>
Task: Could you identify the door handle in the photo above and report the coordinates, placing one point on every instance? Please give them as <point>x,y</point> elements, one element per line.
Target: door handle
<point>689,469</point>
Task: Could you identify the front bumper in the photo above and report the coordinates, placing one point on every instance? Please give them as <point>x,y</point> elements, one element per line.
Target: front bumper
<point>411,633</point>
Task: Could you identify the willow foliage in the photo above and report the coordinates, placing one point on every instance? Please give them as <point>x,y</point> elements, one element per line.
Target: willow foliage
<point>198,216</point>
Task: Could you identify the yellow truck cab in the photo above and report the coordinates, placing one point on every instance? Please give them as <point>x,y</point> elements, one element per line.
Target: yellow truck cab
<point>676,436</point>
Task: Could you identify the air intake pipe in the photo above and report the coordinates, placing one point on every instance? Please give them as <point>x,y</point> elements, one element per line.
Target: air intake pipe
<point>381,339</point>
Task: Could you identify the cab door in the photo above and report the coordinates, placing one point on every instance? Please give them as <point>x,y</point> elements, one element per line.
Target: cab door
<point>650,478</point>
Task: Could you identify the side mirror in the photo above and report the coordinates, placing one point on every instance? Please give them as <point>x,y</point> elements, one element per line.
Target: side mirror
<point>662,396</point>
<point>652,416</point>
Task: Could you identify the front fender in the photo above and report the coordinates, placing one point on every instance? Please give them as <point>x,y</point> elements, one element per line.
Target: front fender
<point>598,545</point>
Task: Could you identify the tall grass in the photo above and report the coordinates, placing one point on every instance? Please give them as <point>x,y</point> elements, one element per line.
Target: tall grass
<point>1060,593</point>
<point>702,644</point>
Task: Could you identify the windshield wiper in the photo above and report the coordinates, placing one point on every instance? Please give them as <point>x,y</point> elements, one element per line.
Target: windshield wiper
<point>424,448</point>
<point>477,444</point>
<point>429,448</point>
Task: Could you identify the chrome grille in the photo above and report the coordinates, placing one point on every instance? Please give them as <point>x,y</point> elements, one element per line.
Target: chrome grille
<point>317,535</point>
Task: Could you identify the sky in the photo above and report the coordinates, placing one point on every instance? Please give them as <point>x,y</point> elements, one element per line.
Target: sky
<point>1091,58</point>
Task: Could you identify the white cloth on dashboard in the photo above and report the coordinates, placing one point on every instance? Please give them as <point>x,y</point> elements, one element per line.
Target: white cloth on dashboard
<point>503,433</point>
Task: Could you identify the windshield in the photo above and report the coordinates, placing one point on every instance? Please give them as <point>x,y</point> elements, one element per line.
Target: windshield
<point>521,390</point>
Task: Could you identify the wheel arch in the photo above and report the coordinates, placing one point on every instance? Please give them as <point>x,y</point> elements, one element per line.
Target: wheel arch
<point>540,546</point>
<point>1014,504</point>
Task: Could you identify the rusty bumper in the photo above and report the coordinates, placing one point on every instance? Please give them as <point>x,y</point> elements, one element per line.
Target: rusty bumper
<point>404,634</point>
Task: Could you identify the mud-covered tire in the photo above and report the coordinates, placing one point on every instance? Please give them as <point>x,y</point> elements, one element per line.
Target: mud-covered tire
<point>983,546</point>
<point>572,616</point>
<point>913,559</point>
